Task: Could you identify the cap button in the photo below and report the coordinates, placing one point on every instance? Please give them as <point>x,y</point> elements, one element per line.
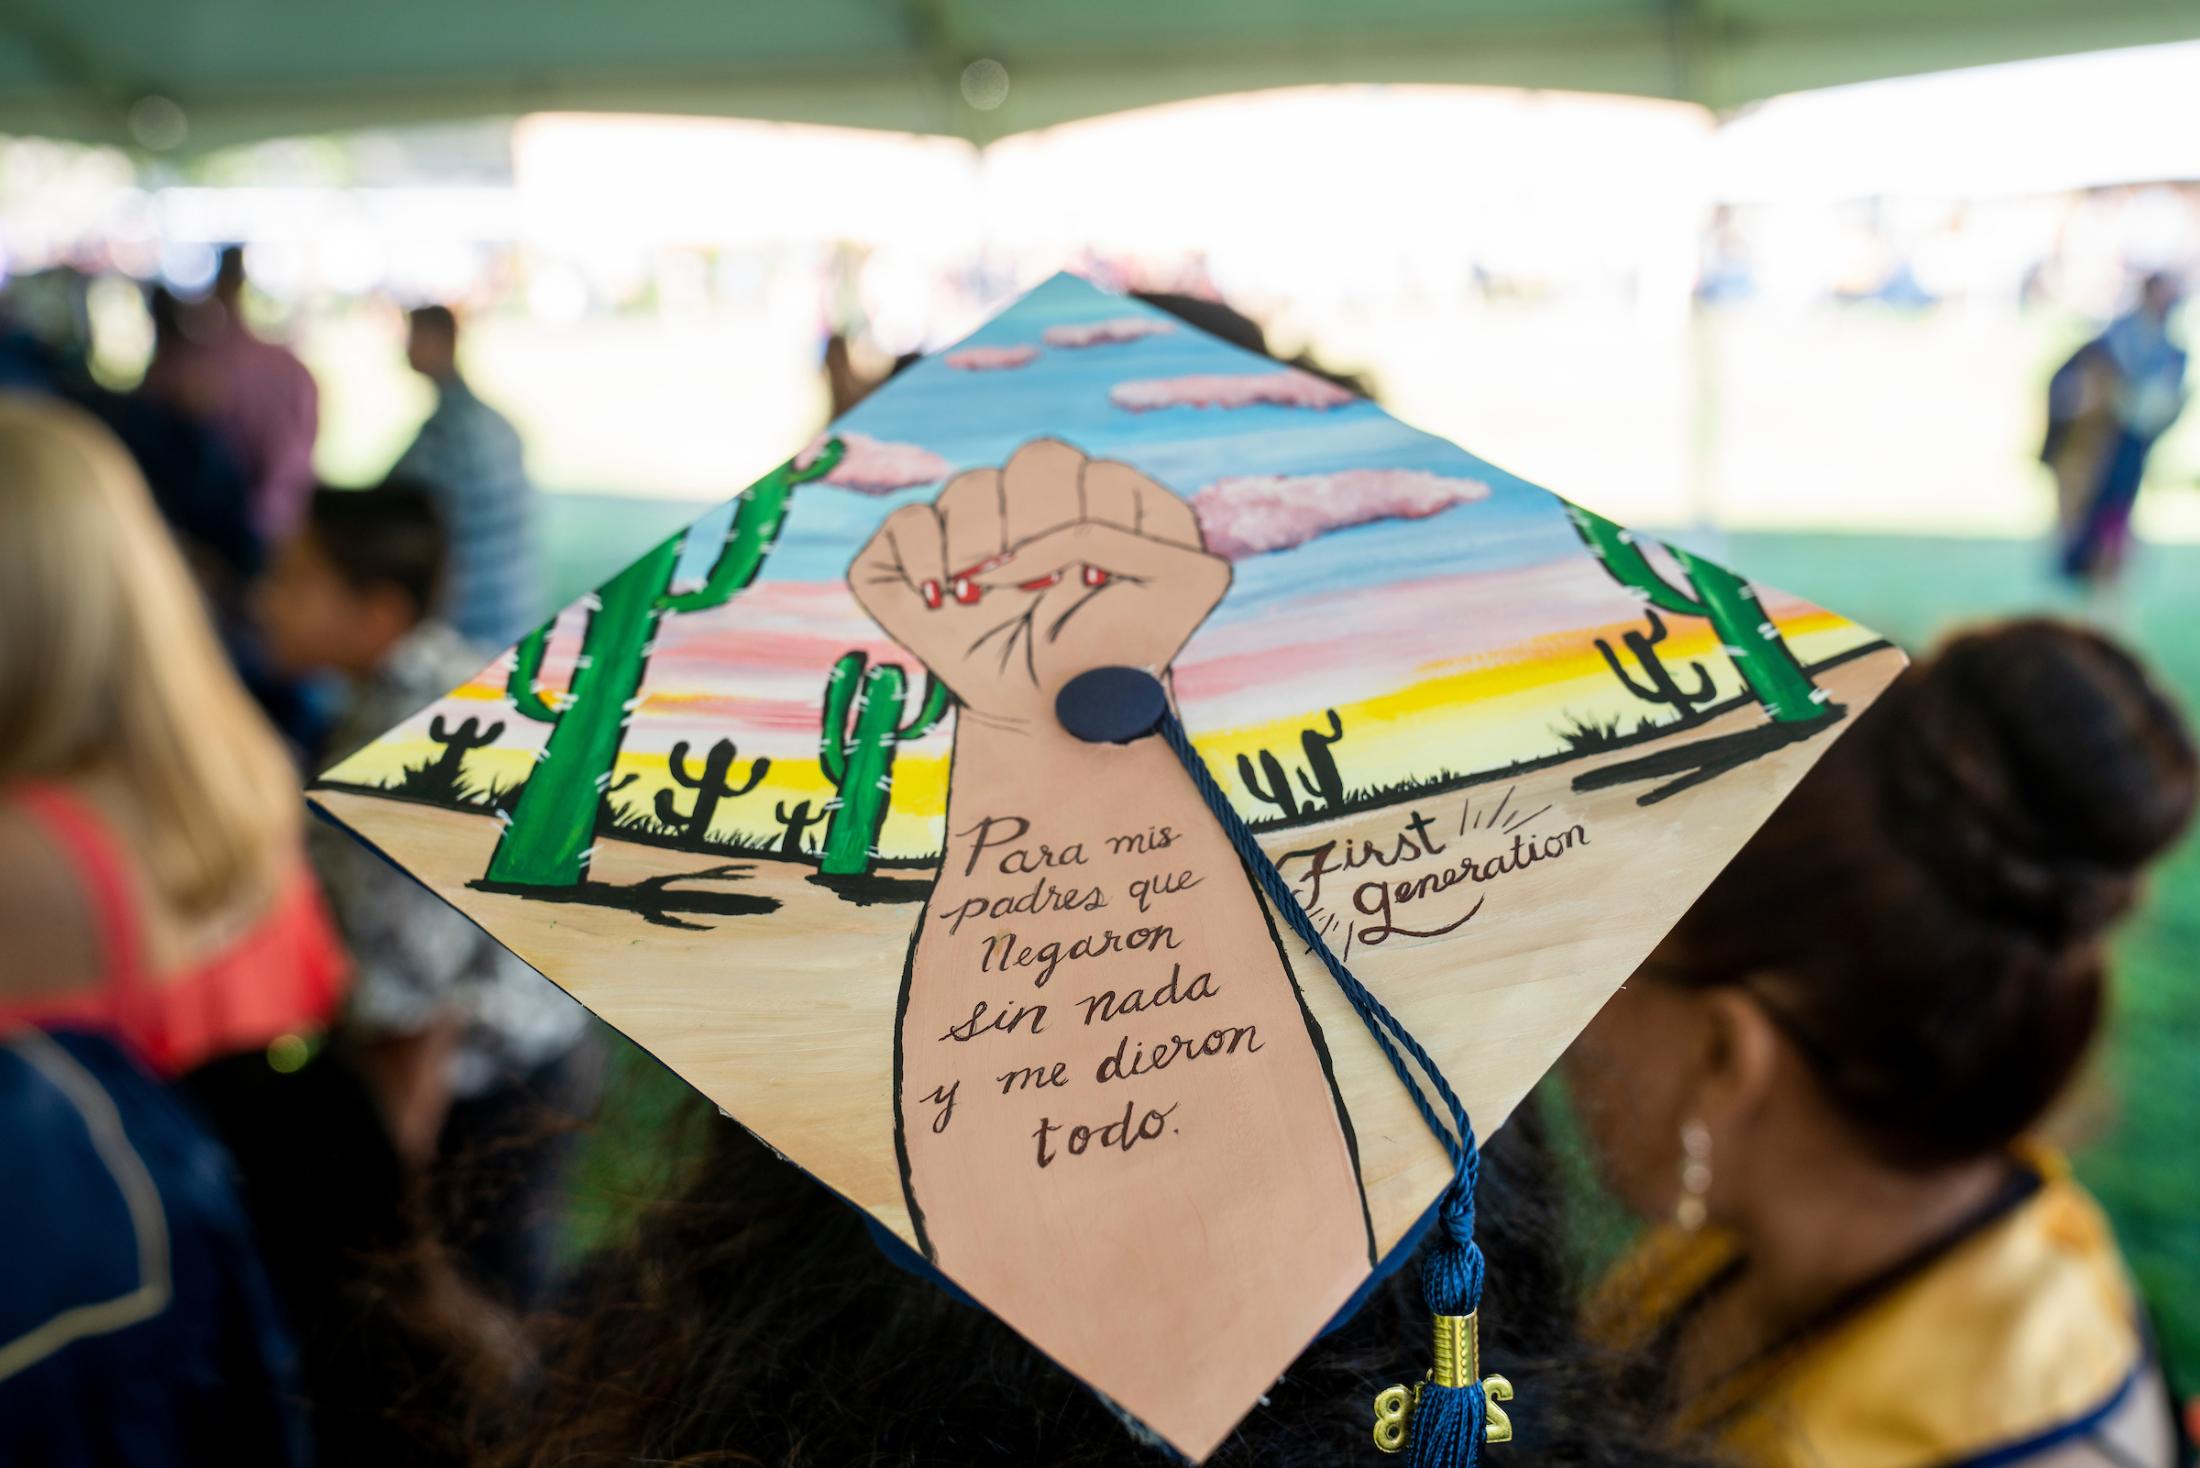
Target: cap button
<point>1111,705</point>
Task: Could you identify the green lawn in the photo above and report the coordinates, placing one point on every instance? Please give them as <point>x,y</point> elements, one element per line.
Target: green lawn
<point>2136,1109</point>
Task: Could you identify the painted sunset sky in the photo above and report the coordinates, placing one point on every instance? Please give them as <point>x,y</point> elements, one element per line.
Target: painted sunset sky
<point>1457,641</point>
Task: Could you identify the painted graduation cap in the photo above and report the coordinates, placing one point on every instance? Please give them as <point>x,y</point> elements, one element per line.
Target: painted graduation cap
<point>787,802</point>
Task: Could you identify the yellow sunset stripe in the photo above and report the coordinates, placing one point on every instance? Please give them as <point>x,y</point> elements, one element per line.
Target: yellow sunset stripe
<point>1566,663</point>
<point>1520,698</point>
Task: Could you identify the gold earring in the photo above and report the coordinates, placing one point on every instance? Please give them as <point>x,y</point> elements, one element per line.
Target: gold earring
<point>1690,1211</point>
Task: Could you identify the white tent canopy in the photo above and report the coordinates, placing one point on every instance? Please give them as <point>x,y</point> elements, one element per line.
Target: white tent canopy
<point>209,71</point>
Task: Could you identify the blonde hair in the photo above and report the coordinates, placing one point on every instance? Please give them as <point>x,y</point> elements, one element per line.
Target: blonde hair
<point>108,665</point>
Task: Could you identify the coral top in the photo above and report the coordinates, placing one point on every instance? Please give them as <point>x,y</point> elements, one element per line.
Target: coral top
<point>286,972</point>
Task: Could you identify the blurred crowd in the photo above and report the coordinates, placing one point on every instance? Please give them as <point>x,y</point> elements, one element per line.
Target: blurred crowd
<point>288,1137</point>
<point>2078,251</point>
<point>196,626</point>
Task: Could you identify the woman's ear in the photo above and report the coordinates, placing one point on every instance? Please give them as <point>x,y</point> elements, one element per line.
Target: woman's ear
<point>1739,1064</point>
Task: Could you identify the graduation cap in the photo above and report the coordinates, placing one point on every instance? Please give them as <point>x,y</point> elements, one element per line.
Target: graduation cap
<point>1085,807</point>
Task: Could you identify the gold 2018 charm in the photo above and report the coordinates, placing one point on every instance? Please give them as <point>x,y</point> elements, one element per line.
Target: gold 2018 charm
<point>1393,1407</point>
<point>1458,1362</point>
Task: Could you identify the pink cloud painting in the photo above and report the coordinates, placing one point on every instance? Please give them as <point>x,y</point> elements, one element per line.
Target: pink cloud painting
<point>1290,388</point>
<point>877,466</point>
<point>992,359</point>
<point>1112,332</point>
<point>1250,514</point>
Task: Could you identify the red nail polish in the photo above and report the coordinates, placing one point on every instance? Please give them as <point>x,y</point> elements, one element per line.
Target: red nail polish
<point>1094,576</point>
<point>931,593</point>
<point>966,591</point>
<point>1041,584</point>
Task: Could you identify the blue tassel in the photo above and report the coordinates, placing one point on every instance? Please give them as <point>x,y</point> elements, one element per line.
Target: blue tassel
<point>1450,1415</point>
<point>1447,1424</point>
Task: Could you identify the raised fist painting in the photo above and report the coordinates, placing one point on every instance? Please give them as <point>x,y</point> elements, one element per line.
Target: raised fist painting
<point>1019,578</point>
<point>1103,1059</point>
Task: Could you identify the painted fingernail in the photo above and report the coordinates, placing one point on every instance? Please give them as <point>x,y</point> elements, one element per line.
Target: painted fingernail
<point>988,564</point>
<point>931,593</point>
<point>1094,576</point>
<point>1041,584</point>
<point>966,591</point>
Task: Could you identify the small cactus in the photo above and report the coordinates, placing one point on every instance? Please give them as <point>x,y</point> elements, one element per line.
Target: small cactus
<point>710,786</point>
<point>1325,785</point>
<point>794,824</point>
<point>1658,685</point>
<point>460,742</point>
<point>1277,792</point>
<point>444,778</point>
<point>862,729</point>
<point>1319,779</point>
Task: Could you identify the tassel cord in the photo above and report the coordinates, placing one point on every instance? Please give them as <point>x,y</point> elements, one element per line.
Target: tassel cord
<point>1452,1268</point>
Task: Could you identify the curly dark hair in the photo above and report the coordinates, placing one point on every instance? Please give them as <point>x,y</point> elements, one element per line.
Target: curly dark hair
<point>752,1321</point>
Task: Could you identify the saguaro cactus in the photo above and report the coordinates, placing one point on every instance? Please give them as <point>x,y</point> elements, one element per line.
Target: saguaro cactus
<point>1320,776</point>
<point>450,766</point>
<point>793,824</point>
<point>862,729</point>
<point>552,830</point>
<point>710,786</point>
<point>1745,633</point>
<point>1277,792</point>
<point>1657,685</point>
<point>1319,779</point>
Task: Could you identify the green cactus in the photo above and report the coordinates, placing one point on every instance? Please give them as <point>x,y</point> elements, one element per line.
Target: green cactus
<point>548,840</point>
<point>710,786</point>
<point>1745,633</point>
<point>1658,685</point>
<point>856,748</point>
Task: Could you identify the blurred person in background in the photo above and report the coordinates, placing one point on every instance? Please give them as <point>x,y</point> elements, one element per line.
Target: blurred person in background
<point>477,1058</point>
<point>255,394</point>
<point>470,458</point>
<point>1826,1078</point>
<point>2107,407</point>
<point>152,873</point>
<point>845,386</point>
<point>197,484</point>
<point>137,1325</point>
<point>158,915</point>
<point>1216,317</point>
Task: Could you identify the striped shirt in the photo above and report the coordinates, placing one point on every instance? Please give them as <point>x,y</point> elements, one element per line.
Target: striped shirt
<point>469,457</point>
